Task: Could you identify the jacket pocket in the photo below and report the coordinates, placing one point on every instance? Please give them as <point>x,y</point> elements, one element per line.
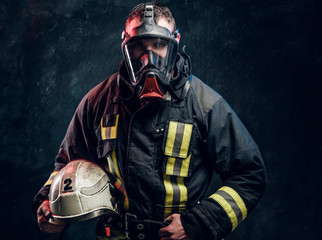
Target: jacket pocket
<point>108,126</point>
<point>106,134</point>
<point>107,129</point>
<point>177,149</point>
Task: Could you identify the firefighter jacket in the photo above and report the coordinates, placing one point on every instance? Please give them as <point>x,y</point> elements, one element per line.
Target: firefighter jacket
<point>166,156</point>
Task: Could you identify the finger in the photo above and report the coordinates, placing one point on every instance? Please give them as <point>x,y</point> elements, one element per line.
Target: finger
<point>163,232</point>
<point>44,226</point>
<point>164,238</point>
<point>47,213</point>
<point>51,228</point>
<point>39,211</point>
<point>45,208</point>
<point>43,212</point>
<point>42,220</point>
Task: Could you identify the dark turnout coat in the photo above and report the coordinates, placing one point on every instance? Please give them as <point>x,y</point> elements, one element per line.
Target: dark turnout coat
<point>168,154</point>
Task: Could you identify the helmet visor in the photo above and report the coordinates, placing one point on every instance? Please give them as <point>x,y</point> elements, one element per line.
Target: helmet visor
<point>150,54</point>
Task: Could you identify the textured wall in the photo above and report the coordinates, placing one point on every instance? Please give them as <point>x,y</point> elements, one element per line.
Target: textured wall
<point>264,57</point>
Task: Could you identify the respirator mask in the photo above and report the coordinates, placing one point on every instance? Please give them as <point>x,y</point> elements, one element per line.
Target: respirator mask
<point>150,53</point>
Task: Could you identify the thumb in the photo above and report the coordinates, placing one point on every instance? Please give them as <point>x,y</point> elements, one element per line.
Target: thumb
<point>169,219</point>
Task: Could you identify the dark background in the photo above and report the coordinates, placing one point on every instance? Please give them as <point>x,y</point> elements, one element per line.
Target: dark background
<point>264,57</point>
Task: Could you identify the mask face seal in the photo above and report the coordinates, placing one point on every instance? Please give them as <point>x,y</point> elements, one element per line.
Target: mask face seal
<point>150,90</point>
<point>150,53</point>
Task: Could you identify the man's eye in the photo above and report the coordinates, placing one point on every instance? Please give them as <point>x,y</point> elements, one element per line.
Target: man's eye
<point>138,46</point>
<point>161,44</point>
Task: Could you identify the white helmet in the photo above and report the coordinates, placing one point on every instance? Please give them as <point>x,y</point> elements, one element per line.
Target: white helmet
<point>81,191</point>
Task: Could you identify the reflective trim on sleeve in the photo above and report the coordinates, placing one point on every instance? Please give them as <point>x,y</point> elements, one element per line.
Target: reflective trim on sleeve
<point>237,198</point>
<point>49,182</point>
<point>51,177</point>
<point>232,203</point>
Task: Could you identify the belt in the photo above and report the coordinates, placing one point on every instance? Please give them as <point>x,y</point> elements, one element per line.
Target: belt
<point>134,228</point>
<point>139,229</point>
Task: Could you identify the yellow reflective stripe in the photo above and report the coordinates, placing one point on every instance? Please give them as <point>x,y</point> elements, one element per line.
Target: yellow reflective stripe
<point>170,138</point>
<point>183,193</point>
<point>228,209</point>
<point>110,164</point>
<point>185,167</point>
<point>232,203</point>
<point>186,140</point>
<point>178,166</point>
<point>119,184</point>
<point>103,130</point>
<point>116,167</point>
<point>237,199</point>
<point>54,174</point>
<point>109,132</point>
<point>51,177</point>
<point>168,195</point>
<point>49,182</point>
<point>170,165</point>
<point>169,190</point>
<point>178,139</point>
<point>113,130</point>
<point>176,194</point>
<point>126,203</point>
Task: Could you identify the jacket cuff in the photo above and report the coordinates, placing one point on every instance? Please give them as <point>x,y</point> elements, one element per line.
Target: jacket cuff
<point>193,222</point>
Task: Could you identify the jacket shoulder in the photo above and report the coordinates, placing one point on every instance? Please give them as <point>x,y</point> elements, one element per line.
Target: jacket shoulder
<point>205,95</point>
<point>96,93</point>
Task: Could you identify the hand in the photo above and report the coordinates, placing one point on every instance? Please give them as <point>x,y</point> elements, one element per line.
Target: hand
<point>175,230</point>
<point>43,214</point>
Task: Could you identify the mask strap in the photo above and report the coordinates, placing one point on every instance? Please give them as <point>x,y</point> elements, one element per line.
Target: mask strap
<point>148,13</point>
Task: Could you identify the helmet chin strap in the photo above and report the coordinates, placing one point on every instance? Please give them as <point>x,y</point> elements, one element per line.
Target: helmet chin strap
<point>150,90</point>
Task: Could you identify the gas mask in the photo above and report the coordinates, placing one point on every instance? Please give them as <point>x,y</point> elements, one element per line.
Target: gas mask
<point>150,53</point>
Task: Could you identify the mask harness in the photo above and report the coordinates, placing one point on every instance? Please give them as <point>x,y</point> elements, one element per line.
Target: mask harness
<point>150,53</point>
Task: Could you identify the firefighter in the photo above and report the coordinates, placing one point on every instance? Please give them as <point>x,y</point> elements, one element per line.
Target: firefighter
<point>165,137</point>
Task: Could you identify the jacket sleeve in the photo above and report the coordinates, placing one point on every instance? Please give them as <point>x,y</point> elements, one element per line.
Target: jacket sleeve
<point>79,143</point>
<point>235,157</point>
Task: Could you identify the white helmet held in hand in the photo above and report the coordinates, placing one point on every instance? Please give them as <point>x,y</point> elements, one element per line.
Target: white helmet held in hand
<point>81,191</point>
